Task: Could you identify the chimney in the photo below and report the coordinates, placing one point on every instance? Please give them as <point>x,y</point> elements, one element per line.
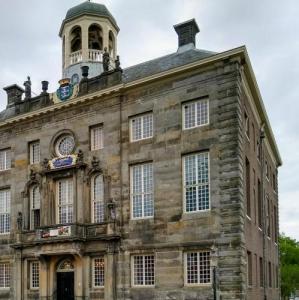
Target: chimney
<point>14,94</point>
<point>186,32</point>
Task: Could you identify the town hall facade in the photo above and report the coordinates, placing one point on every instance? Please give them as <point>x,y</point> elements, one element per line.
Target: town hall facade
<point>157,181</point>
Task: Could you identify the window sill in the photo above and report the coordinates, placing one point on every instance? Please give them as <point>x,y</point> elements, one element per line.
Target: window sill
<point>196,214</point>
<point>143,286</point>
<point>195,127</point>
<point>198,285</point>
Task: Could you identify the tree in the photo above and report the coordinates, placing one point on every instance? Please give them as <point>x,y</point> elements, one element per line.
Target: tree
<point>289,258</point>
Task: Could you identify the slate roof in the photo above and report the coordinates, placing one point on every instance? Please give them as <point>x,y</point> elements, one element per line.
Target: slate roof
<point>164,63</point>
<point>145,69</point>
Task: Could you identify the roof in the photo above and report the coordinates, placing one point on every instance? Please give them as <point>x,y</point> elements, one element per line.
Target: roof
<point>89,8</point>
<point>164,63</point>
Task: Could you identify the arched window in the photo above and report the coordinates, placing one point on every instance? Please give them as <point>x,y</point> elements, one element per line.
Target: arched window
<point>111,44</point>
<point>95,37</point>
<point>97,199</point>
<point>66,266</point>
<point>76,39</point>
<point>34,207</point>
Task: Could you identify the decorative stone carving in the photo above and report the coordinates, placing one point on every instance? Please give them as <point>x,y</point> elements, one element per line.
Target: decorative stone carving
<point>106,60</point>
<point>80,157</point>
<point>27,85</point>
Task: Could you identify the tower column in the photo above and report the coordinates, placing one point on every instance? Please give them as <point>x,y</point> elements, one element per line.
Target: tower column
<point>85,53</point>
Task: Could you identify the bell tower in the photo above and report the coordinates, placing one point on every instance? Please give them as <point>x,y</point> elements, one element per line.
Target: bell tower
<point>87,31</point>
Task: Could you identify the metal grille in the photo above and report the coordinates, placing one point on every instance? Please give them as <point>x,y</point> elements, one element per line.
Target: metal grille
<point>34,152</point>
<point>34,274</point>
<point>99,272</point>
<point>65,201</point>
<point>142,127</point>
<point>142,190</point>
<point>4,211</point>
<point>5,159</point>
<point>196,182</point>
<point>144,270</point>
<point>198,267</point>
<point>96,138</point>
<point>4,275</point>
<point>98,199</point>
<point>196,113</point>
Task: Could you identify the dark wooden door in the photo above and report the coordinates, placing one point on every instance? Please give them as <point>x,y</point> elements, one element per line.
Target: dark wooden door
<point>65,286</point>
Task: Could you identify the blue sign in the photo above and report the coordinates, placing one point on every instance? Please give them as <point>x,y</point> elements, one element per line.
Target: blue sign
<point>65,92</point>
<point>61,162</point>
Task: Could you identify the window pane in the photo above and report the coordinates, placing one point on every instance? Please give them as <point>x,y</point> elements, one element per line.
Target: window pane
<point>196,182</point>
<point>144,270</point>
<point>99,272</point>
<point>196,113</point>
<point>142,191</point>
<point>98,199</point>
<point>34,152</point>
<point>97,138</point>
<point>198,269</point>
<point>142,127</point>
<point>4,275</point>
<point>5,160</point>
<point>202,112</point>
<point>4,211</point>
<point>34,275</point>
<point>65,201</point>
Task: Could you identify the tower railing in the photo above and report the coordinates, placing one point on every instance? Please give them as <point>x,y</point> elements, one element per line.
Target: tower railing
<point>76,57</point>
<point>95,55</point>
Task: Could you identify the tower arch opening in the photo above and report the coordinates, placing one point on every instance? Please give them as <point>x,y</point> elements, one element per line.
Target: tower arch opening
<point>95,37</point>
<point>76,39</point>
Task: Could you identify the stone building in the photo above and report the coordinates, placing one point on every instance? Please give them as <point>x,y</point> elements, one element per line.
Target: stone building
<point>157,181</point>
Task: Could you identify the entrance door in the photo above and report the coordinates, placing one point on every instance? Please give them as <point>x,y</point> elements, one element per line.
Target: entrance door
<point>65,286</point>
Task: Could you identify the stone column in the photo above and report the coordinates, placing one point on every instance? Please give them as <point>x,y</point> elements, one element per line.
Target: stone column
<point>79,278</point>
<point>43,278</point>
<point>18,282</point>
<point>81,210</point>
<point>84,28</point>
<point>110,273</point>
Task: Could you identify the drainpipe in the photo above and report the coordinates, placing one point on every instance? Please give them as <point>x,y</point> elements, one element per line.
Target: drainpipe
<point>262,137</point>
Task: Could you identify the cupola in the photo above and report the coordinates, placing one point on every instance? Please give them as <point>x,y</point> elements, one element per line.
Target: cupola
<point>87,30</point>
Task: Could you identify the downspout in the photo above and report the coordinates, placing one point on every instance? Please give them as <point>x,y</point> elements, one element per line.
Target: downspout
<point>262,137</point>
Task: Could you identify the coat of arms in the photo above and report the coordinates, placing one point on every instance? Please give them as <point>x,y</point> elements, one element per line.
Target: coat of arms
<point>65,90</point>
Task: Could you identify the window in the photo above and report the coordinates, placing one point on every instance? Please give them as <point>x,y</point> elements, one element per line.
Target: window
<point>34,207</point>
<point>4,275</point>
<point>198,269</point>
<point>143,270</point>
<point>141,127</point>
<point>65,145</point>
<point>259,200</point>
<point>97,195</point>
<point>270,274</point>
<point>65,201</point>
<point>259,149</point>
<point>4,211</point>
<point>142,197</point>
<point>261,272</point>
<point>268,203</point>
<point>253,136</point>
<point>249,268</point>
<point>274,183</point>
<point>247,173</point>
<point>196,182</point>
<point>5,159</point>
<point>98,272</point>
<point>247,129</point>
<point>275,224</point>
<point>195,113</point>
<point>34,150</point>
<point>34,275</point>
<point>96,137</point>
<point>267,170</point>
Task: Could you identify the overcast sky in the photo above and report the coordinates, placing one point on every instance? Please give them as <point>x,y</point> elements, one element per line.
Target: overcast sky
<point>30,45</point>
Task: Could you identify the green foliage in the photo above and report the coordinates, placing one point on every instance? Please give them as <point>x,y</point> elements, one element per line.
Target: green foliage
<point>289,258</point>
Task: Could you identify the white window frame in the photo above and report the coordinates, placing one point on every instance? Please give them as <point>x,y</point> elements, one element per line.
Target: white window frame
<point>6,213</point>
<point>93,131</point>
<point>142,118</point>
<point>37,275</point>
<point>184,105</point>
<point>68,204</point>
<point>6,274</point>
<point>142,191</point>
<point>198,283</point>
<point>184,185</point>
<point>94,275</point>
<point>99,200</point>
<point>6,153</point>
<point>32,154</point>
<point>143,271</point>
<point>32,205</point>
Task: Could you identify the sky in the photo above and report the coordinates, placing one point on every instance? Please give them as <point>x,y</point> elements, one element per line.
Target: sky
<point>30,45</point>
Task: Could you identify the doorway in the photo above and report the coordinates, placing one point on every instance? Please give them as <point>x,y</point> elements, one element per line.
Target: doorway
<point>65,281</point>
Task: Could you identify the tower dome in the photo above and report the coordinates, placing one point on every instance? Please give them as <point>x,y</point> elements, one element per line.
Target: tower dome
<point>87,30</point>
